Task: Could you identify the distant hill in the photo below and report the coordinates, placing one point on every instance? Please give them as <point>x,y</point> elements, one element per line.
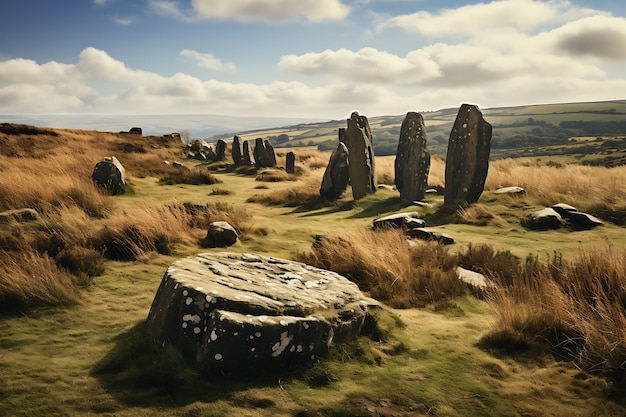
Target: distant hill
<point>534,130</point>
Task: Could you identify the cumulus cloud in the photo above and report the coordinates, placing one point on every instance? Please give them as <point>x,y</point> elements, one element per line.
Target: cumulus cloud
<point>207,61</point>
<point>366,65</point>
<point>473,19</point>
<point>269,11</point>
<point>599,36</point>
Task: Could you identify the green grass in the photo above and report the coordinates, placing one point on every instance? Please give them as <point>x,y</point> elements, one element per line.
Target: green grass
<point>92,358</point>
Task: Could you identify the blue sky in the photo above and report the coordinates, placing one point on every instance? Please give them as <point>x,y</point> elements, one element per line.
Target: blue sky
<point>319,59</point>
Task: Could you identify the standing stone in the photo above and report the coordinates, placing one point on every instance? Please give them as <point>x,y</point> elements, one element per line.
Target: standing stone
<point>290,163</point>
<point>412,162</point>
<point>248,160</point>
<point>467,160</point>
<point>108,175</point>
<point>271,155</point>
<point>343,136</point>
<point>361,156</point>
<point>135,131</point>
<point>220,150</point>
<point>337,175</point>
<point>262,158</point>
<point>236,151</point>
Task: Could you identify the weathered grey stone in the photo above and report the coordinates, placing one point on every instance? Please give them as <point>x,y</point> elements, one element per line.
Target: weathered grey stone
<point>271,155</point>
<point>543,219</point>
<point>236,151</point>
<point>108,175</point>
<point>407,220</point>
<point>426,234</point>
<point>467,159</point>
<point>19,215</point>
<point>475,279</point>
<point>511,190</point>
<point>248,159</point>
<point>290,163</point>
<point>582,220</point>
<point>361,164</point>
<point>220,150</point>
<point>221,234</point>
<point>563,209</point>
<point>337,175</point>
<point>262,157</point>
<point>231,311</point>
<point>412,163</point>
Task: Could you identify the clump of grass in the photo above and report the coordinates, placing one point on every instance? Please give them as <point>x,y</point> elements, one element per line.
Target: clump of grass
<point>477,215</point>
<point>220,191</point>
<point>192,177</point>
<point>29,279</point>
<point>275,175</point>
<point>381,263</point>
<point>577,307</point>
<point>302,194</point>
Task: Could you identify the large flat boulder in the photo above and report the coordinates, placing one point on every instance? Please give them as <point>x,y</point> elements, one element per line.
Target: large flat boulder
<point>232,311</point>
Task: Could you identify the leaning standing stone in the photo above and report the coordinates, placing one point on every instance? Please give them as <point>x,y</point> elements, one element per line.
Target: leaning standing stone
<point>237,152</point>
<point>467,159</point>
<point>233,311</point>
<point>337,175</point>
<point>412,163</point>
<point>361,156</point>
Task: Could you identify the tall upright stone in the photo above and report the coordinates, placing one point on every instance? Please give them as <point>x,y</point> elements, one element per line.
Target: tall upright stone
<point>337,175</point>
<point>290,163</point>
<point>262,158</point>
<point>467,160</point>
<point>271,155</point>
<point>220,150</point>
<point>248,160</point>
<point>361,156</point>
<point>236,151</point>
<point>412,163</point>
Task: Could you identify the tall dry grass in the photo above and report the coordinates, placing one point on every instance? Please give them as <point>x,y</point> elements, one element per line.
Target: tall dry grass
<point>577,307</point>
<point>304,193</point>
<point>598,190</point>
<point>48,261</point>
<point>382,264</point>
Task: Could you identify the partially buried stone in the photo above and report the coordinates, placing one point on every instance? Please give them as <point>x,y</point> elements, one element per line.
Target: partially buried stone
<point>235,311</point>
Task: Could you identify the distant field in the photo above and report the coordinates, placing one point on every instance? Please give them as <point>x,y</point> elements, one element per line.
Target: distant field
<point>518,131</point>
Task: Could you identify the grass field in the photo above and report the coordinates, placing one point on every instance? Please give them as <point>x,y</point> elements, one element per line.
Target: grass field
<point>454,352</point>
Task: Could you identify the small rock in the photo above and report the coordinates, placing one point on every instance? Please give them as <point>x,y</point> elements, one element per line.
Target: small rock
<point>583,220</point>
<point>221,234</point>
<point>399,220</point>
<point>511,190</point>
<point>19,215</point>
<point>472,278</point>
<point>563,209</point>
<point>544,219</point>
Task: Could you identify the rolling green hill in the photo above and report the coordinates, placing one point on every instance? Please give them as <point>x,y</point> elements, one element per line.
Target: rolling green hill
<point>525,131</point>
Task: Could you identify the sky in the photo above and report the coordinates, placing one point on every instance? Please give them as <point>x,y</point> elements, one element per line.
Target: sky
<point>316,59</point>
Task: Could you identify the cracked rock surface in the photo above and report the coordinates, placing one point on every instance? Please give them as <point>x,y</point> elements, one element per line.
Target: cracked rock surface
<point>232,310</point>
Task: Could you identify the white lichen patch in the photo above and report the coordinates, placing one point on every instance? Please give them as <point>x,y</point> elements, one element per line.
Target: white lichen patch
<point>280,346</point>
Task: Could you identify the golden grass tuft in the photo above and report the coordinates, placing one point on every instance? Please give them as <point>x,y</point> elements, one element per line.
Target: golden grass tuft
<point>578,307</point>
<point>382,264</point>
<point>305,193</point>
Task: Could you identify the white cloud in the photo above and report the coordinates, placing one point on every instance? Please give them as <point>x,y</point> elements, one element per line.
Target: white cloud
<point>366,65</point>
<point>170,9</point>
<point>525,15</point>
<point>101,84</point>
<point>208,61</point>
<point>270,10</point>
<point>597,36</point>
<point>123,21</point>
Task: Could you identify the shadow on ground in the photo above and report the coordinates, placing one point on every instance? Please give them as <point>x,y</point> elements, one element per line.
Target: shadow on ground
<point>138,372</point>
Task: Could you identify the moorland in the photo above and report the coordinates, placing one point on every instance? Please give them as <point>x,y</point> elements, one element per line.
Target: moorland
<point>548,339</point>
